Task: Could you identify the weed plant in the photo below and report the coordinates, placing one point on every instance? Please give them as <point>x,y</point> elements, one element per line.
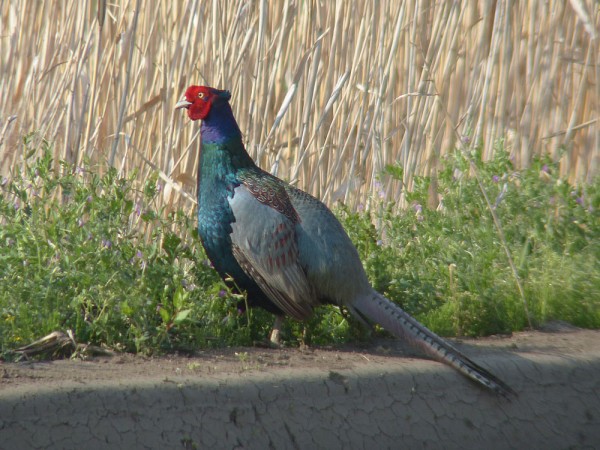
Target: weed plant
<point>96,254</point>
<point>92,254</point>
<point>447,265</point>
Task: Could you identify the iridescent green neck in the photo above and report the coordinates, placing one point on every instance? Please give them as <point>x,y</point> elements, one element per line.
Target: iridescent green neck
<point>224,158</point>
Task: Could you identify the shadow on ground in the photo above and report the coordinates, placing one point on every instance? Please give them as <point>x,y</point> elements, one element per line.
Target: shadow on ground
<point>318,398</point>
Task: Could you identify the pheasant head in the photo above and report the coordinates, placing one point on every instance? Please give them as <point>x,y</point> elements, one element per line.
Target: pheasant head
<point>200,100</point>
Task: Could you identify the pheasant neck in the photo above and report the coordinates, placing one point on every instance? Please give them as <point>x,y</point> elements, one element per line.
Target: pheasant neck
<point>223,151</point>
<point>220,125</point>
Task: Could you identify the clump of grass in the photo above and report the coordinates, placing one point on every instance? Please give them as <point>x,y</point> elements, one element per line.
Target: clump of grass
<point>447,266</point>
<point>94,254</point>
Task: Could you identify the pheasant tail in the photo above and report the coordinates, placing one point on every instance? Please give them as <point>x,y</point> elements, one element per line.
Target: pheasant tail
<point>376,308</point>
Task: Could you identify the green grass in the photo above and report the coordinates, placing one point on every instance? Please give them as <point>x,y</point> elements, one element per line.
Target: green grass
<point>94,254</point>
<point>449,268</point>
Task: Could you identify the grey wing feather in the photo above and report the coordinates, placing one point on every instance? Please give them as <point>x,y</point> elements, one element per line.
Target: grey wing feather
<point>265,245</point>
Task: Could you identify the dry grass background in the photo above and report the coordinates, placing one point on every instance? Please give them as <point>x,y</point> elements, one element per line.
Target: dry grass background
<point>326,93</point>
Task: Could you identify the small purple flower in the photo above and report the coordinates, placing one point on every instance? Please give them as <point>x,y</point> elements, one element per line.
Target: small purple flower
<point>495,178</point>
<point>579,200</point>
<point>379,187</point>
<point>466,140</point>
<point>545,168</point>
<point>379,242</point>
<point>3,181</point>
<point>361,207</point>
<point>139,254</point>
<point>17,205</point>
<point>79,170</point>
<point>10,242</point>
<point>158,187</point>
<point>143,265</point>
<point>89,199</point>
<point>222,293</point>
<point>418,208</point>
<point>106,243</point>
<point>138,209</point>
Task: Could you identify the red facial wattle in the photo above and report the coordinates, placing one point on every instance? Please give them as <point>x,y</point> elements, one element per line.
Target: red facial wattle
<point>197,101</point>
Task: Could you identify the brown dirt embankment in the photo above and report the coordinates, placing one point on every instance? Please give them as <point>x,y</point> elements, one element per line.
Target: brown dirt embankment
<point>348,397</point>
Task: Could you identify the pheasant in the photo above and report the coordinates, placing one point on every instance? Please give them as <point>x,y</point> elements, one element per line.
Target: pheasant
<point>285,248</point>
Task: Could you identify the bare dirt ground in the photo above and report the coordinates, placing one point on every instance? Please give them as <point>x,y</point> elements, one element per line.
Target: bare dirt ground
<point>373,396</point>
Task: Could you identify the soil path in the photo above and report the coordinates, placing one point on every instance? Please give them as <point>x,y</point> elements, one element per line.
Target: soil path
<point>345,397</point>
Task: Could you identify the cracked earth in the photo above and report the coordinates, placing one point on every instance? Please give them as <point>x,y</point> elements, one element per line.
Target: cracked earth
<point>373,396</point>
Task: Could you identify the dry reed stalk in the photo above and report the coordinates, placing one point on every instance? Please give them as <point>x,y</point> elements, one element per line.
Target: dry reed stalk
<point>327,94</point>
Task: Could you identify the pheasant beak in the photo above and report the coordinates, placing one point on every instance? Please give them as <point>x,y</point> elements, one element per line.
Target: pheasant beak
<point>183,103</point>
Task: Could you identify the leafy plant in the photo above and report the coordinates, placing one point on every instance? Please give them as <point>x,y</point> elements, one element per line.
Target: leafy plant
<point>447,266</point>
<point>88,250</point>
<point>92,253</point>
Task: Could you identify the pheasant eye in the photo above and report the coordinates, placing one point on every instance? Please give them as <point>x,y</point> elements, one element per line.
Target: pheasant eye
<point>200,94</point>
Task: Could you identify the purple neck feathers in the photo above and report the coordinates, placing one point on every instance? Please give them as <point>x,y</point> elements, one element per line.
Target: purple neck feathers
<point>220,125</point>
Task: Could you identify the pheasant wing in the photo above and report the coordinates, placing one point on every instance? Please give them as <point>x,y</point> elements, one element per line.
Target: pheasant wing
<point>265,245</point>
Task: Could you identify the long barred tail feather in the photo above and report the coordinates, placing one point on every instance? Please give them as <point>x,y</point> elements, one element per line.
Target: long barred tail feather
<point>376,308</point>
